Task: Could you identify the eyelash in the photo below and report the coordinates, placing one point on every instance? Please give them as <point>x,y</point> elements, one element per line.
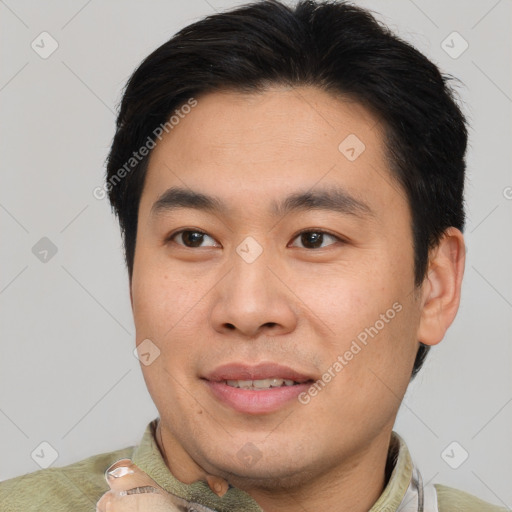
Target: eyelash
<point>339,239</point>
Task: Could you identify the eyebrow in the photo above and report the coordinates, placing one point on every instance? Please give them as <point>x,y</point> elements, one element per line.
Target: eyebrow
<point>332,198</point>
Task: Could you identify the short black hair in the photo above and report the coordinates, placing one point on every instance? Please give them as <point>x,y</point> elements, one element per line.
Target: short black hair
<point>335,46</point>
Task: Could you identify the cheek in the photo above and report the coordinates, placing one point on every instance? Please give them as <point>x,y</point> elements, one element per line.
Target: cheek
<point>169,309</point>
<point>348,297</point>
<point>379,352</point>
<point>162,298</point>
<point>370,315</point>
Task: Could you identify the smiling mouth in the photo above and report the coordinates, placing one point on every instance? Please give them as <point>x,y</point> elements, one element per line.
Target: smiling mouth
<point>261,384</point>
<point>257,396</point>
<point>261,388</point>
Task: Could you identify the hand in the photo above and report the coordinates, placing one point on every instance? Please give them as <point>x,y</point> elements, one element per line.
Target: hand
<point>132,490</point>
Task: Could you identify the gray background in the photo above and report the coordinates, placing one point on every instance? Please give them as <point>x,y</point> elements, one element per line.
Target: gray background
<point>67,372</point>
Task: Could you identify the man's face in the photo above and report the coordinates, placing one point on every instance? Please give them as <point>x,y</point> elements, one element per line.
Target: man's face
<point>269,278</point>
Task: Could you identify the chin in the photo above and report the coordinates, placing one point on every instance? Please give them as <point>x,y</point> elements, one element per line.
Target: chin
<point>270,478</point>
<point>283,472</point>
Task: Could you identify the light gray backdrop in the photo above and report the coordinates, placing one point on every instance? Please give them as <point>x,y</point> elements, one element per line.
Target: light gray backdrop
<point>67,373</point>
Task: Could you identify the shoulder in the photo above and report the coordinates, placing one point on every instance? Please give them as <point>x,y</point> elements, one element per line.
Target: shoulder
<point>453,500</point>
<point>76,487</point>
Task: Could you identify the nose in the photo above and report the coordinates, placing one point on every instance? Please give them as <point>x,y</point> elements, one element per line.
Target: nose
<point>252,300</point>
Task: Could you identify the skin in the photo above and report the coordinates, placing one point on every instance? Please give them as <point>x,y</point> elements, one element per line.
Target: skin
<point>125,475</point>
<point>295,304</point>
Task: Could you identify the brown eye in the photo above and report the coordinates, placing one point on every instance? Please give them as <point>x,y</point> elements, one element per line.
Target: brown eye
<point>315,239</point>
<point>190,238</point>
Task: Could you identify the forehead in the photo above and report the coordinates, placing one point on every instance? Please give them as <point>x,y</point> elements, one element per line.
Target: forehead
<point>255,147</point>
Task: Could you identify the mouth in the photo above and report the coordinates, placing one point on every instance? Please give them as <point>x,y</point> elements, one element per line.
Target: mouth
<point>260,384</point>
<point>258,389</point>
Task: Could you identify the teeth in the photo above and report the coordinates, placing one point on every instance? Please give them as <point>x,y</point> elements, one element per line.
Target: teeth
<point>260,384</point>
<point>245,384</point>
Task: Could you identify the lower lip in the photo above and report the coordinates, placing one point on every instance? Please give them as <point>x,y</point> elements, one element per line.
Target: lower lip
<point>261,401</point>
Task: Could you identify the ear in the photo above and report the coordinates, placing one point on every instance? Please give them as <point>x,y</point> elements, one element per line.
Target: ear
<point>441,288</point>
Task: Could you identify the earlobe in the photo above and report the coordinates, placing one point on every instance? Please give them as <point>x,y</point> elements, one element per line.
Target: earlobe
<point>441,288</point>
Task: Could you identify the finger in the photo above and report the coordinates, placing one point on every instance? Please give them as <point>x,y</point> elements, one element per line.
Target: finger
<point>124,475</point>
<point>217,484</point>
<point>103,504</point>
<point>131,489</point>
<point>138,503</point>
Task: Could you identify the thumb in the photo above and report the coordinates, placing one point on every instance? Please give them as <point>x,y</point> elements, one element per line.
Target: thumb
<point>124,475</point>
<point>132,490</point>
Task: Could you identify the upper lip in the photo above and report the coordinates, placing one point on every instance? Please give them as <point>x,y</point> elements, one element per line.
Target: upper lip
<point>240,371</point>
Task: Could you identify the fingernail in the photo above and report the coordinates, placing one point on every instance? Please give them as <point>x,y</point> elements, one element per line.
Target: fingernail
<point>120,471</point>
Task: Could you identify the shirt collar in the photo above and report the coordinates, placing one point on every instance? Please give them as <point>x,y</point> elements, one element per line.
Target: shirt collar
<point>148,458</point>
<point>400,460</point>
